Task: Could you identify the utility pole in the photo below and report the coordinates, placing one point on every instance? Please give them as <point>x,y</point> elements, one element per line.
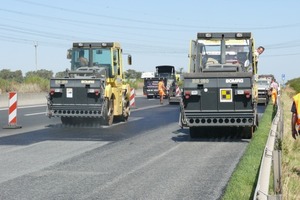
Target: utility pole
<point>181,68</point>
<point>35,46</point>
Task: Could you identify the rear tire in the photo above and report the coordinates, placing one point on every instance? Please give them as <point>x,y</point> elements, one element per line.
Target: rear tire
<point>125,112</point>
<point>257,123</point>
<point>108,112</point>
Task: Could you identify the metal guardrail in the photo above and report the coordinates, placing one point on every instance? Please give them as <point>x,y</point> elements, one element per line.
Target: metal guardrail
<point>271,157</point>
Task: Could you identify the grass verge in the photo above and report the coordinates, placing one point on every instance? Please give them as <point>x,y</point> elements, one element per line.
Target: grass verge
<point>244,179</point>
<point>291,152</point>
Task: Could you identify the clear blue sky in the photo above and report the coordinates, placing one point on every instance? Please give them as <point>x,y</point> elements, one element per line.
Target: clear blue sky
<point>153,32</point>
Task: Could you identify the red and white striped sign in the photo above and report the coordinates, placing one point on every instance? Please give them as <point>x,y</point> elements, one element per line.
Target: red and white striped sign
<point>132,97</point>
<point>177,91</point>
<point>12,110</point>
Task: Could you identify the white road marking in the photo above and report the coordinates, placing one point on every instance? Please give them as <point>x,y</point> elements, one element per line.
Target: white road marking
<point>31,114</point>
<point>16,161</point>
<point>33,106</point>
<point>131,110</point>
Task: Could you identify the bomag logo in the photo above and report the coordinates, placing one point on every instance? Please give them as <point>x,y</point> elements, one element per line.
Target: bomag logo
<point>237,80</point>
<point>87,81</point>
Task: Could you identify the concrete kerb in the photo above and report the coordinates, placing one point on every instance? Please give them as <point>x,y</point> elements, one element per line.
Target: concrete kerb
<point>139,92</point>
<point>24,99</point>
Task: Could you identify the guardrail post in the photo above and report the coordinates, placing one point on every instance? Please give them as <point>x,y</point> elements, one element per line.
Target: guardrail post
<point>271,156</point>
<point>277,156</point>
<point>277,171</point>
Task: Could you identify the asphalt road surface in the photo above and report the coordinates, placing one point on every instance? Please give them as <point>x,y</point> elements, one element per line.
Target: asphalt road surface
<point>148,157</point>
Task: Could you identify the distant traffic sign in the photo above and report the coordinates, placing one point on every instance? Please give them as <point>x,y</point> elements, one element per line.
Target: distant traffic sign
<point>283,76</point>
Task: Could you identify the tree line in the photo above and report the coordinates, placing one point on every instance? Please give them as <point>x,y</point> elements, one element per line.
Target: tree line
<point>38,81</point>
<point>17,75</point>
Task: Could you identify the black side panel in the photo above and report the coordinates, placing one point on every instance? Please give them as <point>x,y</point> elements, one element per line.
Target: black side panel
<point>76,97</point>
<point>218,100</point>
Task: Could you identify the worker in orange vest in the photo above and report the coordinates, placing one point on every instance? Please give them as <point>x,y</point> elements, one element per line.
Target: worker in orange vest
<point>295,122</point>
<point>274,88</point>
<point>161,90</point>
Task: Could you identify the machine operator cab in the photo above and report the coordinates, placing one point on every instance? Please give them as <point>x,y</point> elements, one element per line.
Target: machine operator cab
<point>104,58</point>
<point>222,52</point>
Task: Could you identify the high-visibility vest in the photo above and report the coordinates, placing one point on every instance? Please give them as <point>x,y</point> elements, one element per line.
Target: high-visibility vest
<point>274,96</point>
<point>297,104</point>
<point>161,88</point>
<point>160,85</point>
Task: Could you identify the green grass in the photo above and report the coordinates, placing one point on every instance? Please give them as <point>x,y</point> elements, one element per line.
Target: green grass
<point>30,84</point>
<point>290,151</point>
<point>244,179</point>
